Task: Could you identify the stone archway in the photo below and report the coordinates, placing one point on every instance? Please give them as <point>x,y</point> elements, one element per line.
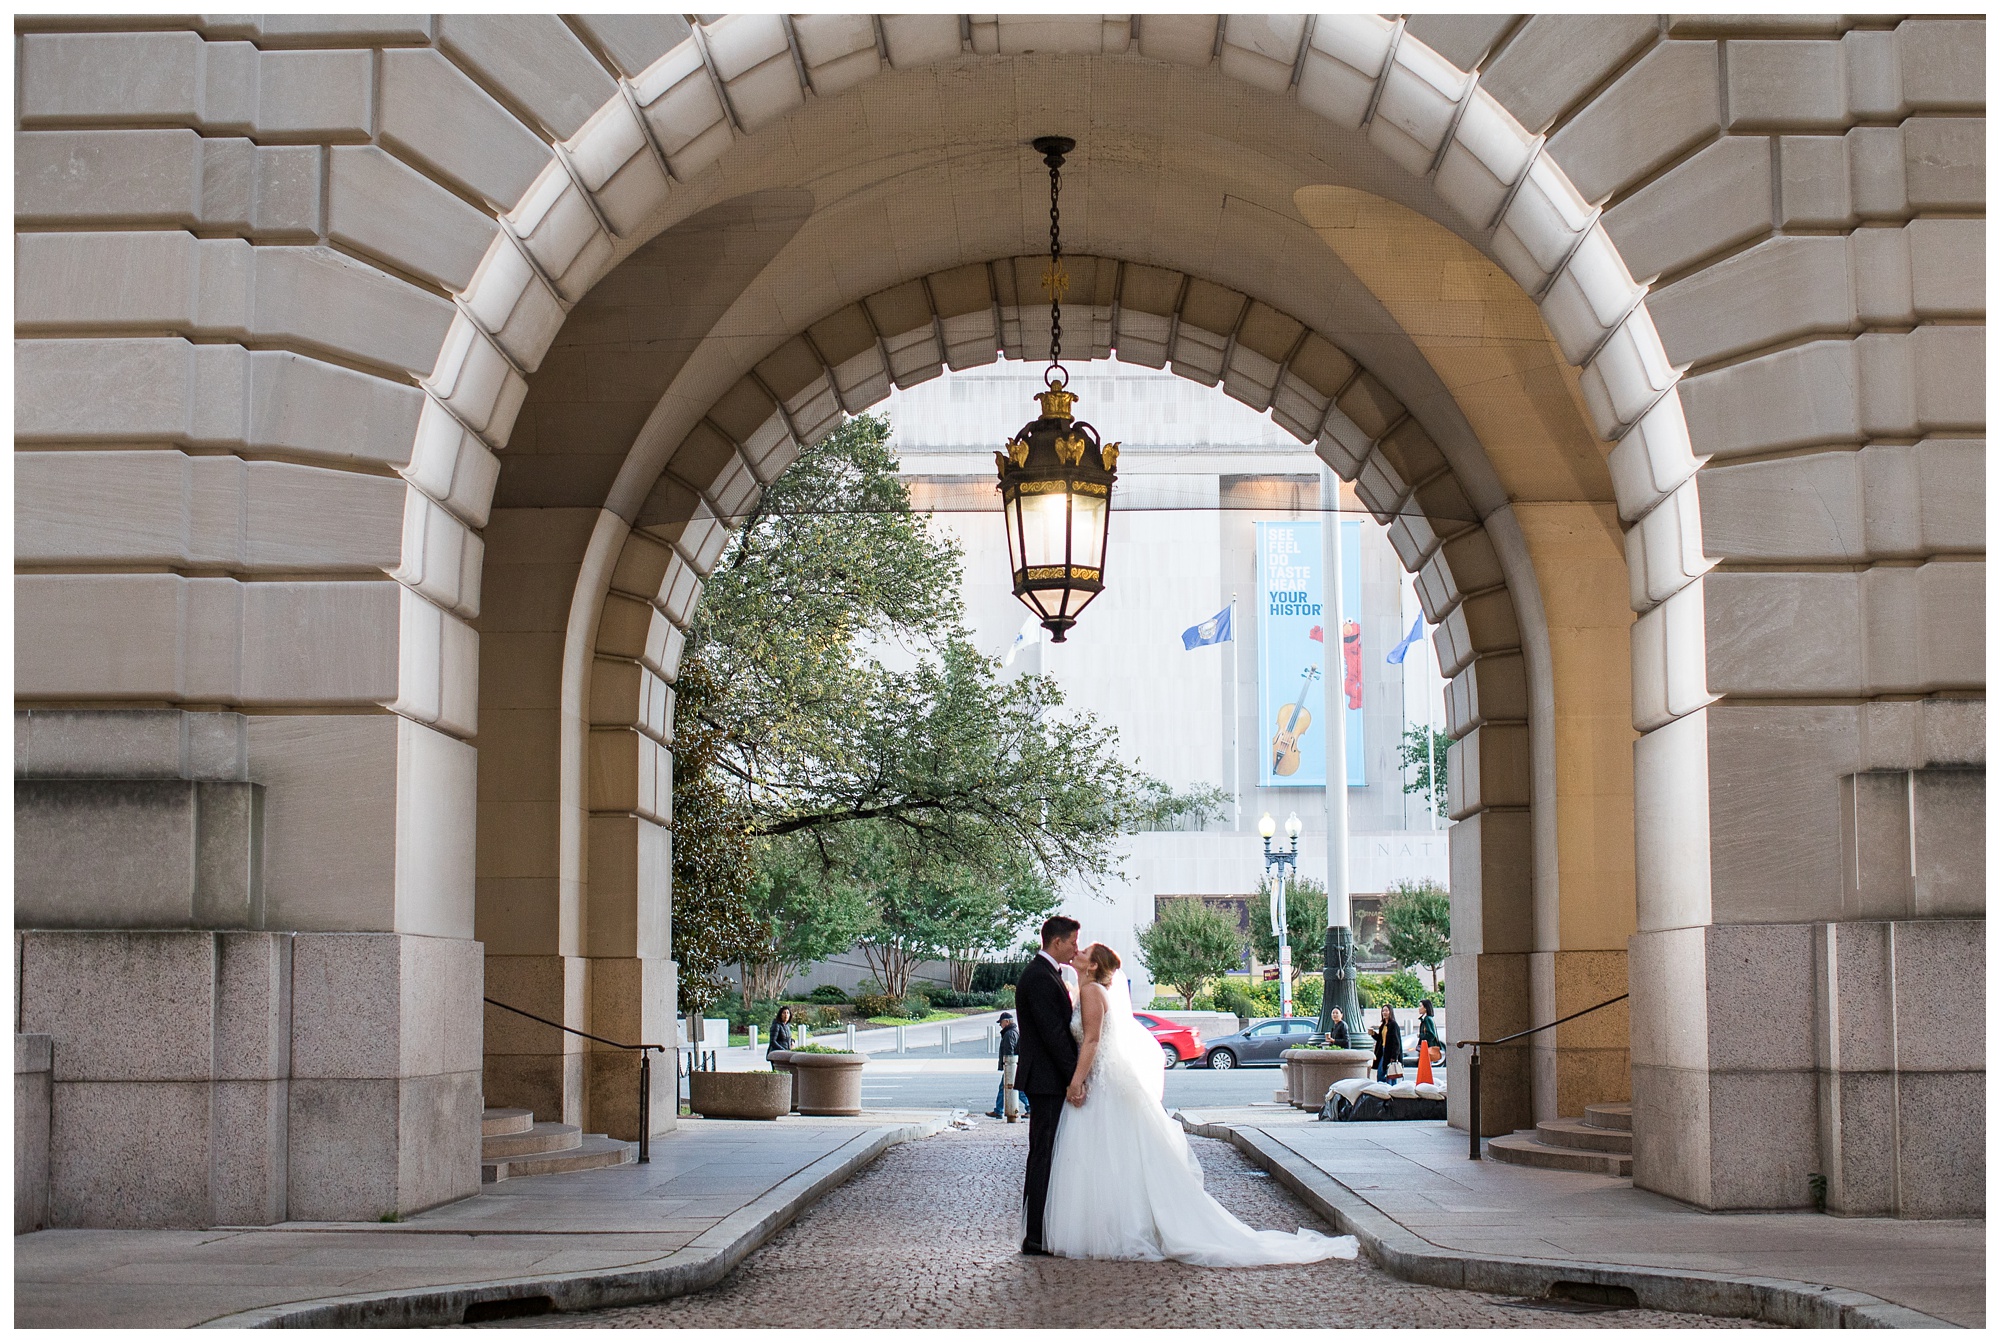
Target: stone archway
<point>327,336</point>
<point>847,358</point>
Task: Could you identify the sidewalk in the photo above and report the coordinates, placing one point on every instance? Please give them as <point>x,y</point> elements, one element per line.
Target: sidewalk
<point>713,1192</point>
<point>879,1042</point>
<point>1414,1185</point>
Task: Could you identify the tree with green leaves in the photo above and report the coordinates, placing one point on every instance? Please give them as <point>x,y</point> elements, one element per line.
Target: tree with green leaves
<point>1305,924</point>
<point>712,860</point>
<point>843,715</point>
<point>1011,897</point>
<point>850,692</point>
<point>802,913</point>
<point>1417,915</point>
<point>1189,943</point>
<point>1420,749</point>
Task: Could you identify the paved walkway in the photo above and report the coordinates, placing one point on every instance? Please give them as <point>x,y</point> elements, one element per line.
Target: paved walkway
<point>1418,1176</point>
<point>928,1237</point>
<point>713,1191</point>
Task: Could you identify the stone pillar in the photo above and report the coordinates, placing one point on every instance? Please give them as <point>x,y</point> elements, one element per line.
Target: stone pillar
<point>284,903</point>
<point>1809,993</point>
<point>529,917</point>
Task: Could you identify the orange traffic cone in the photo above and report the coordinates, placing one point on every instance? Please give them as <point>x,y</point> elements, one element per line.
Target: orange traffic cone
<point>1424,1063</point>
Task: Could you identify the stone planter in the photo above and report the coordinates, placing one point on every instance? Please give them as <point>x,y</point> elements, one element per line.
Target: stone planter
<point>781,1062</point>
<point>1311,1071</point>
<point>828,1084</point>
<point>715,1095</point>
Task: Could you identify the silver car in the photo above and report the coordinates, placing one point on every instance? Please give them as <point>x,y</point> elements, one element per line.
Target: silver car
<point>1262,1046</point>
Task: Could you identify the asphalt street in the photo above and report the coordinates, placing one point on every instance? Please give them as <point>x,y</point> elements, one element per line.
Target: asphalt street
<point>1194,1087</point>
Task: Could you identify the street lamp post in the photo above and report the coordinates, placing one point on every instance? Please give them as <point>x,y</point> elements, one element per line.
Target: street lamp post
<point>1285,861</point>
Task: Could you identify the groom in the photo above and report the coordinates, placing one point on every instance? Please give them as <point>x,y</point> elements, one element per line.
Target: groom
<point>1047,1062</point>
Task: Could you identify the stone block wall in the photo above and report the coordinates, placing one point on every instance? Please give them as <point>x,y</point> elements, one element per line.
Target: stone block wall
<point>32,1095</point>
<point>284,282</point>
<point>241,1071</point>
<point>243,1078</point>
<point>1807,194</point>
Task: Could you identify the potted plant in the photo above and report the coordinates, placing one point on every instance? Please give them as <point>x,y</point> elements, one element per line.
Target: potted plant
<point>829,1080</point>
<point>746,1095</point>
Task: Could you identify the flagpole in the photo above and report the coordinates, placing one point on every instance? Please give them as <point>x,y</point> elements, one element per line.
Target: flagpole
<point>1236,708</point>
<point>1430,746</point>
<point>1337,977</point>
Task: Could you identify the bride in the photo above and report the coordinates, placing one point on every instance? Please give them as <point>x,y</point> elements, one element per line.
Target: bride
<point>1124,1183</point>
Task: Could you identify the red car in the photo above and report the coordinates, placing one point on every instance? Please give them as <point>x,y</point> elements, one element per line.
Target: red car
<point>1181,1044</point>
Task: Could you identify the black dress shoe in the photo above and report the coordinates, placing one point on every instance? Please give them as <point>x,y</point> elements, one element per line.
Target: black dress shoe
<point>1029,1247</point>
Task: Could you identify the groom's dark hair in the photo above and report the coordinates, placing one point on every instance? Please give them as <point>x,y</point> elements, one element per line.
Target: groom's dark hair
<point>1058,927</point>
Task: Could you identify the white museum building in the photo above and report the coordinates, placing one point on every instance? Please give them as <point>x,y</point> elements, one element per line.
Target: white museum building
<point>1197,472</point>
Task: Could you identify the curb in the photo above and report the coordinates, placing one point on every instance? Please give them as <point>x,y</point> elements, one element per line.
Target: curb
<point>700,1264</point>
<point>1408,1256</point>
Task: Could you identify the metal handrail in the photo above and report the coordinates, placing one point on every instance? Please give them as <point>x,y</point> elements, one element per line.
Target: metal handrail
<point>645,1070</point>
<point>1472,1073</point>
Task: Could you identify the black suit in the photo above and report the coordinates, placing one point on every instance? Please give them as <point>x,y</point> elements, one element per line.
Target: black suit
<point>1047,1064</point>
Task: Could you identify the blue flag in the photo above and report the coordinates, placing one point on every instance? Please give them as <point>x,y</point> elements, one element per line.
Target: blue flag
<point>1214,630</point>
<point>1416,633</point>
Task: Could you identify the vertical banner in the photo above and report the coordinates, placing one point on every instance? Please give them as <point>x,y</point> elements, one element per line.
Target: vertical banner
<point>1294,656</point>
<point>1350,648</point>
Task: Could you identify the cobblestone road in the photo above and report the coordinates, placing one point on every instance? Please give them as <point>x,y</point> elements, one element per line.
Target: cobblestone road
<point>925,1238</point>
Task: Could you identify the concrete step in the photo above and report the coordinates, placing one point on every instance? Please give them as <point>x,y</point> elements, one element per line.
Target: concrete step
<point>1615,1116</point>
<point>505,1121</point>
<point>595,1150</point>
<point>1583,1136</point>
<point>1521,1149</point>
<point>540,1139</point>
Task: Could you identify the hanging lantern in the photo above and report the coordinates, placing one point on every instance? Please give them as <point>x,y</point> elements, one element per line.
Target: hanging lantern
<point>1055,476</point>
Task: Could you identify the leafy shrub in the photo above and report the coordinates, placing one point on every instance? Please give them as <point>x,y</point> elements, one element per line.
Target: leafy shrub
<point>742,1016</point>
<point>877,1005</point>
<point>821,1049</point>
<point>915,1007</point>
<point>1263,998</point>
<point>1307,995</point>
<point>1004,996</point>
<point>991,976</point>
<point>825,1017</point>
<point>829,993</point>
<point>950,997</point>
<point>1399,988</point>
<point>1232,996</point>
<point>1165,1002</point>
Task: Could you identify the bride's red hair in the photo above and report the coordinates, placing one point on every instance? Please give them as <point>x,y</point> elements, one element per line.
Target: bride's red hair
<point>1103,960</point>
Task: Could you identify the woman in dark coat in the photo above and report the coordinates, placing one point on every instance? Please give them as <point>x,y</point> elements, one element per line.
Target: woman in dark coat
<point>781,1031</point>
<point>1427,1028</point>
<point>1388,1045</point>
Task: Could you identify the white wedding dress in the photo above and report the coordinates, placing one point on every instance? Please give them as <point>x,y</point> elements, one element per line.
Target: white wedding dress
<point>1124,1184</point>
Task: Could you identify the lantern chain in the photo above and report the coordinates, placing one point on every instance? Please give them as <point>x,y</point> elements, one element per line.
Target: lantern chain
<point>1057,280</point>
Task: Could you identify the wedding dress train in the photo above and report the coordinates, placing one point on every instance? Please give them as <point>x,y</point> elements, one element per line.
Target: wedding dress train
<point>1124,1183</point>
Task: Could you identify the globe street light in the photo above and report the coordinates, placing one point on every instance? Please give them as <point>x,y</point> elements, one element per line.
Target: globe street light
<point>1285,861</point>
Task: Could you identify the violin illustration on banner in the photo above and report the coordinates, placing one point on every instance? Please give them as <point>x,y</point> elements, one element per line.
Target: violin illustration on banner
<point>1350,652</point>
<point>1292,722</point>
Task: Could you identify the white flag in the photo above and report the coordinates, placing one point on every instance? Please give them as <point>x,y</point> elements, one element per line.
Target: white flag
<point>1031,633</point>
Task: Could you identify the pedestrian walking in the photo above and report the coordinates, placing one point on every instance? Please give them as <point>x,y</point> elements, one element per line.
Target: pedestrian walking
<point>1006,1097</point>
<point>1427,1040</point>
<point>1388,1046</point>
<point>781,1032</point>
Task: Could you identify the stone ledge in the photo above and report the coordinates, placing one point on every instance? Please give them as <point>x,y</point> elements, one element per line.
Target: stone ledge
<point>1410,1257</point>
<point>702,1263</point>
